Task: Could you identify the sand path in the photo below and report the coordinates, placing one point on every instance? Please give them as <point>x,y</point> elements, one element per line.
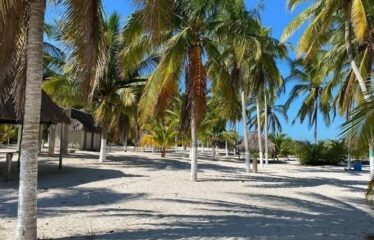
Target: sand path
<point>141,196</point>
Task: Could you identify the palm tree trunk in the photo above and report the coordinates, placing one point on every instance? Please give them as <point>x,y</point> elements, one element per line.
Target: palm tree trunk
<point>245,131</point>
<point>27,197</point>
<point>358,75</point>
<point>125,143</point>
<point>176,144</point>
<point>51,140</point>
<point>348,45</point>
<point>103,145</point>
<point>193,144</point>
<point>266,130</point>
<point>227,148</point>
<point>371,158</point>
<point>315,122</point>
<point>213,152</point>
<point>349,155</point>
<point>259,132</point>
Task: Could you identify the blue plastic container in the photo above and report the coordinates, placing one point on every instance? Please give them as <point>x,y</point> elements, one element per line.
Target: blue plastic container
<point>357,166</point>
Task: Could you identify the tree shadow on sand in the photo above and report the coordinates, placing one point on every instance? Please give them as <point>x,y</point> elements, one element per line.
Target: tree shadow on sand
<point>318,218</point>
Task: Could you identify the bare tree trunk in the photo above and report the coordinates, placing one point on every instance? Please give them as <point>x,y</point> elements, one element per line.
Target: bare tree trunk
<point>193,145</point>
<point>245,131</point>
<point>371,158</point>
<point>259,132</point>
<point>125,143</point>
<point>176,144</point>
<point>51,140</point>
<point>266,129</point>
<point>213,151</point>
<point>163,152</point>
<point>41,137</point>
<point>103,145</point>
<point>227,148</point>
<point>27,197</point>
<point>315,122</point>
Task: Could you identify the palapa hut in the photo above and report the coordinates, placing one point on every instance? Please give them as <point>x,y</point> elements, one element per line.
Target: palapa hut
<point>253,143</point>
<point>82,133</point>
<point>50,114</point>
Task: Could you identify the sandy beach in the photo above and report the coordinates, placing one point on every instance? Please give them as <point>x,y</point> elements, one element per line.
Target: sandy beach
<point>142,196</point>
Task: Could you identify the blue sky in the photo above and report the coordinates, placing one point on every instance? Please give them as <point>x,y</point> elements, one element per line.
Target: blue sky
<point>275,16</point>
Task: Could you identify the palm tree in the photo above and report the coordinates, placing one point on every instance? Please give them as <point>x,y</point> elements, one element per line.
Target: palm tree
<point>189,36</point>
<point>325,16</point>
<point>345,16</point>
<point>229,137</point>
<point>312,82</point>
<point>270,115</point>
<point>24,50</point>
<point>114,95</point>
<point>278,139</point>
<point>229,74</point>
<point>265,76</point>
<point>159,134</point>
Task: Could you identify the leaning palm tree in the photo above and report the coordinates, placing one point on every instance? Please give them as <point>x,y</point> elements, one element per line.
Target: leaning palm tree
<point>352,16</point>
<point>21,33</point>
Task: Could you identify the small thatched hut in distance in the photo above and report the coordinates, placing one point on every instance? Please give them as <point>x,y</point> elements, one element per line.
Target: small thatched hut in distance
<point>253,143</point>
<point>82,133</point>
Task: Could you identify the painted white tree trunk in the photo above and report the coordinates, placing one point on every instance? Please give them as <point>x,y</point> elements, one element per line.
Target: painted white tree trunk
<point>227,148</point>
<point>193,146</point>
<point>259,133</point>
<point>371,159</point>
<point>245,131</point>
<point>266,130</point>
<point>103,146</point>
<point>40,137</point>
<point>176,145</point>
<point>27,197</point>
<point>51,140</point>
<point>19,136</point>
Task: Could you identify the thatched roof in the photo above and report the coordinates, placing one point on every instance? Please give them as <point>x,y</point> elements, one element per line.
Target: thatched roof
<point>253,143</point>
<point>50,112</point>
<point>84,121</point>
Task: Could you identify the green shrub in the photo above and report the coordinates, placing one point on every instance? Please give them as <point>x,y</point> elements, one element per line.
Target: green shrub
<point>327,152</point>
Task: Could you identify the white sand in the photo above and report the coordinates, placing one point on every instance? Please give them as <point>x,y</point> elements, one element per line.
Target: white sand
<point>141,196</point>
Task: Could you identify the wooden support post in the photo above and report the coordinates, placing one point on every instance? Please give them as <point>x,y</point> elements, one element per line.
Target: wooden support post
<point>61,146</point>
<point>8,165</point>
<point>19,140</point>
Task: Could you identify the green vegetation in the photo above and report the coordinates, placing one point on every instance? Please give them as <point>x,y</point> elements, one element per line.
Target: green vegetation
<point>327,152</point>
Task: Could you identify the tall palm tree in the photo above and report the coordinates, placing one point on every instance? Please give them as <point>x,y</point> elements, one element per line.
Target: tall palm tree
<point>312,82</point>
<point>230,81</point>
<point>265,76</point>
<point>189,36</point>
<point>270,115</point>
<point>21,32</point>
<point>344,16</point>
<point>325,16</point>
